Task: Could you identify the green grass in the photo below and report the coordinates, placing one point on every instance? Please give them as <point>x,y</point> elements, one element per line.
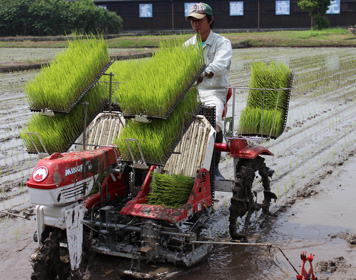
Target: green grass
<point>60,84</point>
<point>290,38</point>
<point>313,33</point>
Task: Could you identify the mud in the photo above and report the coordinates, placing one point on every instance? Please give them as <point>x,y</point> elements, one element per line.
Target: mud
<point>314,165</point>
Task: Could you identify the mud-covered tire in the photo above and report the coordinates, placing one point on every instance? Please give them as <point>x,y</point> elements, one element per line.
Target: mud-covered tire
<point>47,264</point>
<point>242,200</point>
<point>52,262</point>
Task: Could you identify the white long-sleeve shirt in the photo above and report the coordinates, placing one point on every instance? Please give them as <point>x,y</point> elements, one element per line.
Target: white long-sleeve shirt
<point>217,55</point>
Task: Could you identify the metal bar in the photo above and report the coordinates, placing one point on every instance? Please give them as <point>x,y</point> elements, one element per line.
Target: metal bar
<point>233,243</point>
<point>110,91</point>
<point>263,108</point>
<point>265,88</point>
<point>137,164</point>
<point>135,228</point>
<point>85,123</point>
<point>35,146</point>
<point>15,215</point>
<point>233,111</point>
<point>275,113</point>
<point>115,226</point>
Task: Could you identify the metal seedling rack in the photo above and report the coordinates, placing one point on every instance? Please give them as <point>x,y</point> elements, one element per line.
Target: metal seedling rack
<point>142,162</point>
<point>229,127</point>
<point>69,144</point>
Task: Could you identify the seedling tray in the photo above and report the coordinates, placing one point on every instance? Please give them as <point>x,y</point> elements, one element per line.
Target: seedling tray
<point>101,109</point>
<point>145,118</point>
<point>79,97</point>
<point>184,130</point>
<point>284,115</point>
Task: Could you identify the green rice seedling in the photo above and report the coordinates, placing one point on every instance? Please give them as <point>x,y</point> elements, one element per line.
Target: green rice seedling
<point>59,131</point>
<point>268,96</point>
<point>275,76</point>
<point>61,83</point>
<point>153,86</point>
<point>17,233</point>
<point>170,190</point>
<point>157,138</point>
<point>252,121</point>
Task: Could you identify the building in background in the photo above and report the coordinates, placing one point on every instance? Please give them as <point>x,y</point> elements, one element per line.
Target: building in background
<point>168,15</point>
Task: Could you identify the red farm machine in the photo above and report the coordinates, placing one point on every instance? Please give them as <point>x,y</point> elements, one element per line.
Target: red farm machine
<point>92,200</point>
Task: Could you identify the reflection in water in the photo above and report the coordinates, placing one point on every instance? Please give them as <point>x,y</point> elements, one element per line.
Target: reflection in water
<point>237,262</point>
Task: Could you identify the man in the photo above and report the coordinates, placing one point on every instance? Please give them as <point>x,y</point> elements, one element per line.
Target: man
<point>217,55</point>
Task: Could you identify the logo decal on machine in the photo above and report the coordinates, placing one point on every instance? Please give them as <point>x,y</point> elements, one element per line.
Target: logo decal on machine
<point>73,170</point>
<point>40,173</point>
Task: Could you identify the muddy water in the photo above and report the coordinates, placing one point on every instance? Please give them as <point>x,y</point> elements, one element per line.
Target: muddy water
<point>315,208</point>
<point>319,224</point>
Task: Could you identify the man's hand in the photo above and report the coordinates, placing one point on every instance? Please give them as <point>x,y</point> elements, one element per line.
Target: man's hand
<point>209,75</point>
<point>201,77</point>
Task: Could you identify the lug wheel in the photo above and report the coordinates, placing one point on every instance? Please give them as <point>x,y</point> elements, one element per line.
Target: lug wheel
<point>52,262</point>
<point>48,263</point>
<point>242,201</point>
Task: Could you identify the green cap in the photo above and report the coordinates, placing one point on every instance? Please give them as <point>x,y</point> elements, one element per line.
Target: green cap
<point>199,11</point>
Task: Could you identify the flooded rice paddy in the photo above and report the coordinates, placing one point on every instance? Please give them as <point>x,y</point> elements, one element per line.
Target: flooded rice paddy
<point>313,160</point>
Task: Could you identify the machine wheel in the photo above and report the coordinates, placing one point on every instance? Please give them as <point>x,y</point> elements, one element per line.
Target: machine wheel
<point>48,263</point>
<point>242,201</point>
<point>52,262</point>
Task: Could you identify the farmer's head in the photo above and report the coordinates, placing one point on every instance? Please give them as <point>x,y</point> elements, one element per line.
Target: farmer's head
<point>201,18</point>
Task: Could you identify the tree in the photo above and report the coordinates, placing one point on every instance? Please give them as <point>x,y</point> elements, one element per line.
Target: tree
<point>89,18</point>
<point>53,17</point>
<point>14,17</point>
<point>50,17</point>
<point>317,10</point>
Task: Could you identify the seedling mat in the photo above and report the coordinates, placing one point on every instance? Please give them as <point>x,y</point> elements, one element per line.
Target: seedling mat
<point>101,109</point>
<point>284,115</point>
<point>148,117</point>
<point>80,96</point>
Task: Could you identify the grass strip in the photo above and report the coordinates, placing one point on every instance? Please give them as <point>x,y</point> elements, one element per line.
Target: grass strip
<point>153,86</point>
<point>170,190</point>
<point>157,138</point>
<point>60,84</point>
<point>58,132</point>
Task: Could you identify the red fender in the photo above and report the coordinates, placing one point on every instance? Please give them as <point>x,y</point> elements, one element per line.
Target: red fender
<point>239,148</point>
<point>110,190</point>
